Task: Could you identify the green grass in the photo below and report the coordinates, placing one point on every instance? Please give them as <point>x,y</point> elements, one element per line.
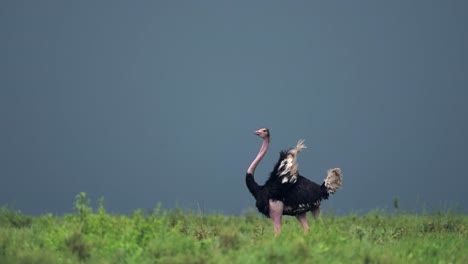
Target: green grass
<point>175,236</point>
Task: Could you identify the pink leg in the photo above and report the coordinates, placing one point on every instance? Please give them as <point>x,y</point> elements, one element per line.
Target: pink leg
<point>276,212</point>
<point>302,218</point>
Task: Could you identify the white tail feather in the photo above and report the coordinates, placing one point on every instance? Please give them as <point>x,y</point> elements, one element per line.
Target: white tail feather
<point>333,180</point>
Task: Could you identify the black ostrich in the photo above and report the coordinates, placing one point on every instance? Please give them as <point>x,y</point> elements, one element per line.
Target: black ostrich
<point>286,192</point>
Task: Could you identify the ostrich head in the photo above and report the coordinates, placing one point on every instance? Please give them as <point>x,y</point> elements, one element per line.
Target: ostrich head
<point>263,133</point>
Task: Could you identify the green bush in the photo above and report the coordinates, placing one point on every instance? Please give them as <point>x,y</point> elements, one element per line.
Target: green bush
<point>10,217</point>
<point>178,236</point>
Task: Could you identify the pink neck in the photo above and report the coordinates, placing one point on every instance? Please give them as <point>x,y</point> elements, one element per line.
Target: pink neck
<point>261,153</point>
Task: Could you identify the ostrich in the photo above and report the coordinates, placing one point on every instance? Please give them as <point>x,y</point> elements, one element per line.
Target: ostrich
<point>286,192</point>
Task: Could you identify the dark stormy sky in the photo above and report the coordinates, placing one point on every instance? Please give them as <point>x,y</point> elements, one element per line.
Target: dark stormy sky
<point>155,101</point>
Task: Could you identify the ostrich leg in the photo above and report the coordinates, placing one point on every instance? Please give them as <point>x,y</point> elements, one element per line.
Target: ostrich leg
<point>316,212</point>
<point>302,218</point>
<point>276,212</point>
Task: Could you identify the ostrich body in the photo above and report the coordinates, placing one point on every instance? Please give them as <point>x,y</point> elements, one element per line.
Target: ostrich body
<point>286,192</point>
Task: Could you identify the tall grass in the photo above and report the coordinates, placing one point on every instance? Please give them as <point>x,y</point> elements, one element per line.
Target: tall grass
<point>177,236</point>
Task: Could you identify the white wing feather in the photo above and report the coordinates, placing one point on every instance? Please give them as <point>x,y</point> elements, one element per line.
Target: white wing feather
<point>288,168</point>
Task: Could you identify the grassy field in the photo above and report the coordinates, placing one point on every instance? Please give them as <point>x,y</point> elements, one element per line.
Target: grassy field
<point>175,236</point>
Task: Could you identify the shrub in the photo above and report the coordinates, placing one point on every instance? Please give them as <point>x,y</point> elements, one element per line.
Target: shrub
<point>16,219</point>
<point>78,246</point>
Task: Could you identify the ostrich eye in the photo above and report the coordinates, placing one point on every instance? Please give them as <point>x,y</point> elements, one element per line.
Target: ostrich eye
<point>264,130</point>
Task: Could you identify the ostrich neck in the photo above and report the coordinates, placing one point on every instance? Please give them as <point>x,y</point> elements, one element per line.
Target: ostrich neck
<point>261,153</point>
